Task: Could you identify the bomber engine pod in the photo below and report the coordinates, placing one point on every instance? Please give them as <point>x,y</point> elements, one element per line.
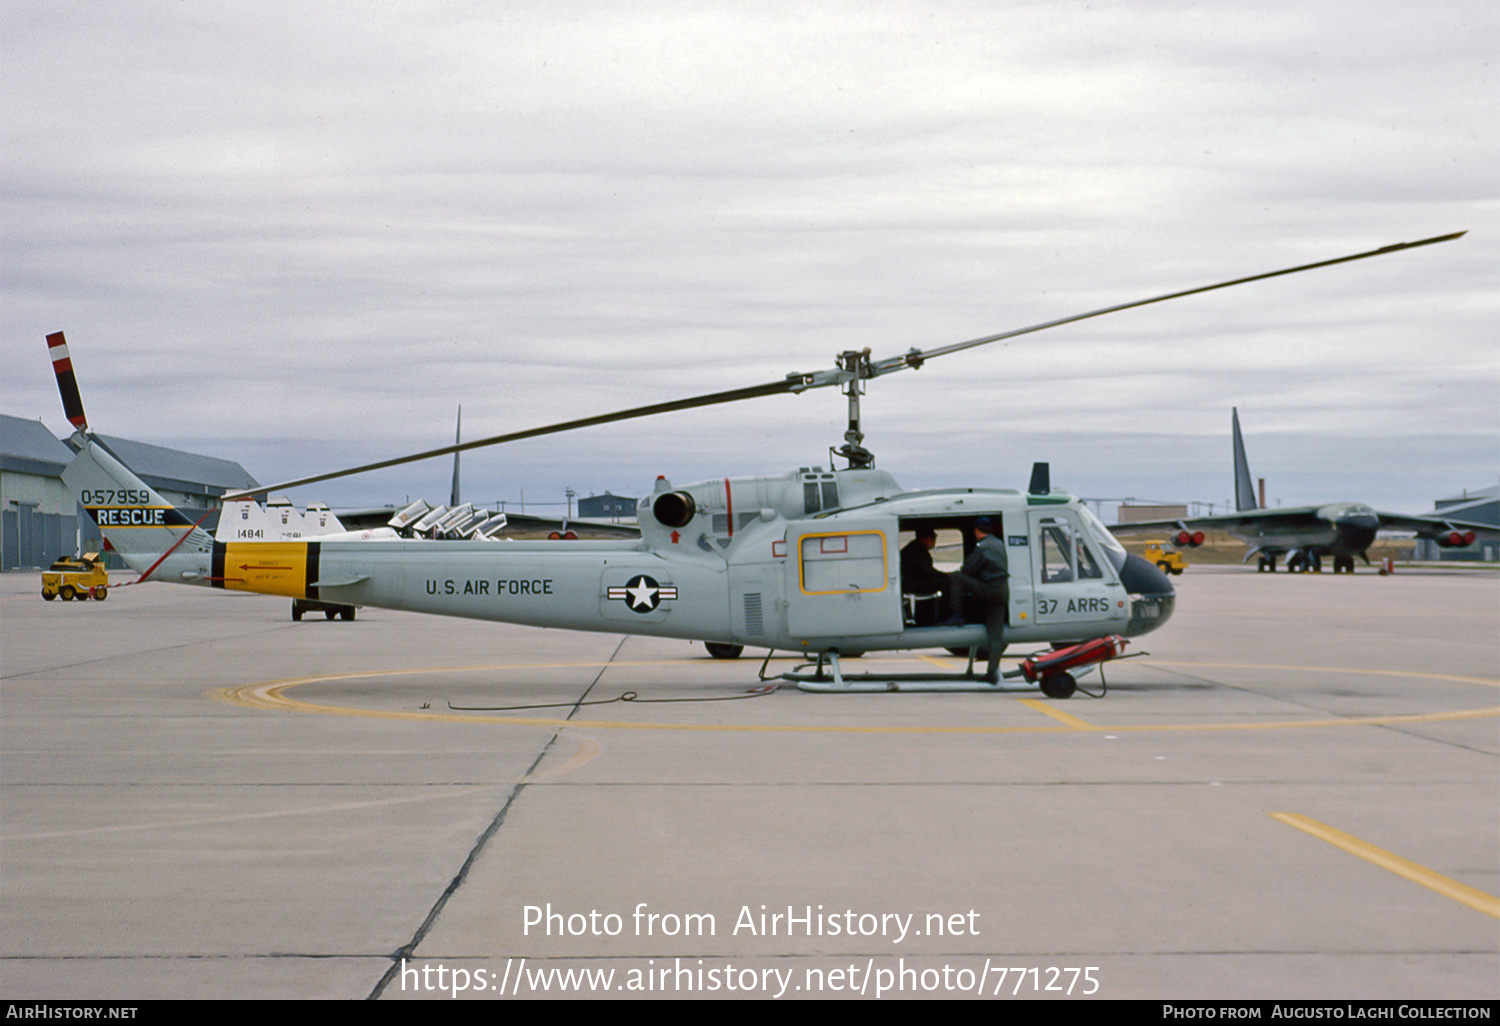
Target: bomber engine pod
<point>674,509</point>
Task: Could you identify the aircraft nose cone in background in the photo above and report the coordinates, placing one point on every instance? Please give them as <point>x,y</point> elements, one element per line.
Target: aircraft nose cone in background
<point>1356,526</point>
<point>1152,595</point>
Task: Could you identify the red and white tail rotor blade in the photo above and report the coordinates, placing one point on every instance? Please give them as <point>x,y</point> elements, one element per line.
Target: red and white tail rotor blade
<point>67,383</point>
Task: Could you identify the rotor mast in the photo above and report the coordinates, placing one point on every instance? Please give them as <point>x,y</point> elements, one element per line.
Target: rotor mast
<point>854,367</point>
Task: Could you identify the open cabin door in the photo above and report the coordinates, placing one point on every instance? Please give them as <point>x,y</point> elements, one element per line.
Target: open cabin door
<point>843,577</point>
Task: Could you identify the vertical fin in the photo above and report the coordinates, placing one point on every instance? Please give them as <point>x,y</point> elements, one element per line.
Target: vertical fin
<point>457,430</point>
<point>1041,479</point>
<point>138,522</point>
<point>1244,488</point>
<point>67,382</point>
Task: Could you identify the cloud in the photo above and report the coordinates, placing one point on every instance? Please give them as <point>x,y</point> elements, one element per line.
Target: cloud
<point>305,231</point>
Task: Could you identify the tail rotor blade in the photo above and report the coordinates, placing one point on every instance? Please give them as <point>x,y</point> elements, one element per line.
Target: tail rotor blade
<point>67,383</point>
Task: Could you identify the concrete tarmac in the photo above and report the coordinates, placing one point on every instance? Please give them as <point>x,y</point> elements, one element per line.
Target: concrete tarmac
<point>1295,795</point>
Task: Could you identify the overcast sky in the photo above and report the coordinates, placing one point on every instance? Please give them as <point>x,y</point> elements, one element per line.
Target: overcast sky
<point>299,235</point>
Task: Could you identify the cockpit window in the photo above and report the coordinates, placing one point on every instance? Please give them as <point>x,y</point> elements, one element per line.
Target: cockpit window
<point>1056,549</point>
<point>1087,568</point>
<point>1100,535</point>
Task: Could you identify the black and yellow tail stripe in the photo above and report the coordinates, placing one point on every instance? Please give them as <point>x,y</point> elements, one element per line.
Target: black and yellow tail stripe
<point>268,568</point>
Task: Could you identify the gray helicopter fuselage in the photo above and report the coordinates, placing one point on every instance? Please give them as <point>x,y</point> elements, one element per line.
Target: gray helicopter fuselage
<point>807,561</point>
<point>765,562</point>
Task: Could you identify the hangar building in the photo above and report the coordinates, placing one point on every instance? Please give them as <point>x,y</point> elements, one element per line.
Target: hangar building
<point>39,520</point>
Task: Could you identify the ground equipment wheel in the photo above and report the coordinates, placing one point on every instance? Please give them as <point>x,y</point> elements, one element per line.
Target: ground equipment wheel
<point>1059,685</point>
<point>66,592</point>
<point>49,595</point>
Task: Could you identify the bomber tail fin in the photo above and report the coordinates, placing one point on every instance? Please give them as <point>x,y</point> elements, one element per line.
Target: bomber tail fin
<point>1244,488</point>
<point>458,427</point>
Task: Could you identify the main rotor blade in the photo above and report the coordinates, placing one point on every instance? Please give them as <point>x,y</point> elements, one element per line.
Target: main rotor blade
<point>711,399</point>
<point>801,382</point>
<point>917,357</point>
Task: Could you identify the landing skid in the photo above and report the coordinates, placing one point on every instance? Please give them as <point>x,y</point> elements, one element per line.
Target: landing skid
<point>827,677</point>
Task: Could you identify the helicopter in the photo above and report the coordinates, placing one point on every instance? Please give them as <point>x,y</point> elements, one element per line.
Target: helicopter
<point>804,562</point>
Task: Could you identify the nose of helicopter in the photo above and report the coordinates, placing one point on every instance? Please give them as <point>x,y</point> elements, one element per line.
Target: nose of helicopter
<point>1151,595</point>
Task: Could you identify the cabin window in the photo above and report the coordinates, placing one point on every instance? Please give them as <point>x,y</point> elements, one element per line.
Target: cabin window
<point>819,495</point>
<point>810,503</point>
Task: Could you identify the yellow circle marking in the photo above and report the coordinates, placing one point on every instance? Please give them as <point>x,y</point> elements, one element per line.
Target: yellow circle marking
<point>273,695</point>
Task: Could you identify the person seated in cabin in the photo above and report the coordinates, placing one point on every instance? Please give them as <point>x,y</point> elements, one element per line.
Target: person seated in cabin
<point>918,575</point>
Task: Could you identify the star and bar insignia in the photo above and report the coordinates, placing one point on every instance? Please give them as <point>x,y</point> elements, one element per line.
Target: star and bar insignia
<point>642,593</point>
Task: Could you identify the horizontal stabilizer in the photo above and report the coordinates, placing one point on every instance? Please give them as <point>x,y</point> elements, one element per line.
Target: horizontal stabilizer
<point>340,582</point>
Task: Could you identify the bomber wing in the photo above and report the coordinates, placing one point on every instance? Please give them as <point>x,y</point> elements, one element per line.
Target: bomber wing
<point>1283,516</point>
<point>1292,517</point>
<point>1436,527</point>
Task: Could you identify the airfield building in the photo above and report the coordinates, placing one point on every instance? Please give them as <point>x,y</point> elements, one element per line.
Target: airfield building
<point>606,506</point>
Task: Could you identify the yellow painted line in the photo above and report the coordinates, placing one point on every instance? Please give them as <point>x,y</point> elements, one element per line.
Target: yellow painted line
<point>1336,669</point>
<point>1351,721</point>
<point>248,817</point>
<point>1432,880</point>
<point>941,664</point>
<point>1057,714</point>
<point>588,751</point>
<point>272,695</point>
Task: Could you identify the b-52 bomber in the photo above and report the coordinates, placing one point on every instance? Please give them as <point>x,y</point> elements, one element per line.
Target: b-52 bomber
<point>1305,534</point>
<point>803,563</point>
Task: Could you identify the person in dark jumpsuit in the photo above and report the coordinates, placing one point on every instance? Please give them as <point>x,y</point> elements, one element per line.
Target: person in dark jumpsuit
<point>918,575</point>
<point>985,575</point>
